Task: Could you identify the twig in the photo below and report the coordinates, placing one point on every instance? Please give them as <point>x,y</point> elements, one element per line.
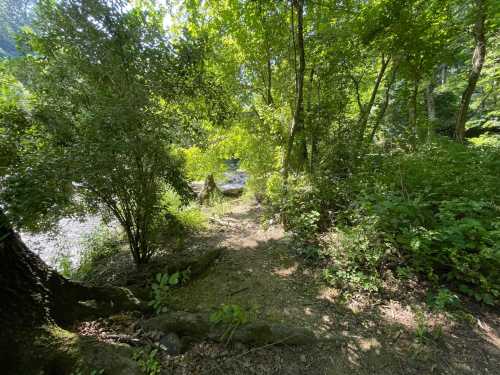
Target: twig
<point>239,291</point>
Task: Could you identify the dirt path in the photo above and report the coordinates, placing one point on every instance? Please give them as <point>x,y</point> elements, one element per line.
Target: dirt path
<point>393,334</point>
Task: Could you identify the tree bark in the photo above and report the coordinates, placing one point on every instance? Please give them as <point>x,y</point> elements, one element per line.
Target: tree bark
<point>477,64</point>
<point>431,108</point>
<point>412,115</point>
<point>33,295</point>
<point>365,110</point>
<point>298,115</point>
<point>385,103</point>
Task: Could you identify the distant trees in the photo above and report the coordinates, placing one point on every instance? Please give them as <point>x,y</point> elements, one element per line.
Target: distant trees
<point>14,14</point>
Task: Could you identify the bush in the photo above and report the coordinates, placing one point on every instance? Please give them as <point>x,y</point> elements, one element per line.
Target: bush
<point>176,218</point>
<point>101,244</point>
<point>299,206</point>
<point>436,210</point>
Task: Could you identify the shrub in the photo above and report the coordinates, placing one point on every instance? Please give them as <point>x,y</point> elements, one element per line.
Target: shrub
<point>232,316</point>
<point>175,219</point>
<point>436,210</point>
<point>298,205</point>
<point>101,244</point>
<point>160,289</point>
<point>189,215</point>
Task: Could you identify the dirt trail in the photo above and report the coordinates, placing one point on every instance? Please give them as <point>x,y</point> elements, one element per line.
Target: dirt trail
<point>393,334</point>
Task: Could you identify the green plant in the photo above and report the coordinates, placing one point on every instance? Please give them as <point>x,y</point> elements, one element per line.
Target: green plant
<point>160,289</point>
<point>432,213</point>
<point>351,278</point>
<point>101,244</point>
<point>231,316</point>
<point>442,300</point>
<point>65,266</point>
<point>147,361</point>
<point>423,333</point>
<point>357,257</point>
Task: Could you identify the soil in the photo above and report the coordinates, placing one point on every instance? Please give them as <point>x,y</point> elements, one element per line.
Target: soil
<point>392,332</point>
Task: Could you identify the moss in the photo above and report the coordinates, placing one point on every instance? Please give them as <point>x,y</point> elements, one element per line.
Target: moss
<point>52,350</point>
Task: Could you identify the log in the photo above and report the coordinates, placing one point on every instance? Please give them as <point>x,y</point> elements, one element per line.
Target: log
<point>258,333</point>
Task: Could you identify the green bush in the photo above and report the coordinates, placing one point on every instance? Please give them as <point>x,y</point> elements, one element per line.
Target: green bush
<point>300,208</point>
<point>436,210</point>
<point>189,216</point>
<point>99,245</point>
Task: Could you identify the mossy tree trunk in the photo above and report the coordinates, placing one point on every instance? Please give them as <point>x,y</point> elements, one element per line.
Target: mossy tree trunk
<point>34,297</point>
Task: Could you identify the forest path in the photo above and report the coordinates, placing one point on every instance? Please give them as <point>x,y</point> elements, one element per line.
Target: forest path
<point>392,334</point>
<point>257,272</point>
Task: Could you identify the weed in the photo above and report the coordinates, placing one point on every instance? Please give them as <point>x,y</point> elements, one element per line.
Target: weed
<point>101,244</point>
<point>65,266</point>
<point>232,316</point>
<point>160,289</point>
<point>443,300</point>
<point>147,361</point>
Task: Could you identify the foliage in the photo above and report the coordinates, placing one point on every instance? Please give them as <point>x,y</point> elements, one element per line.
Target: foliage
<point>200,163</point>
<point>420,210</point>
<point>189,216</point>
<point>65,266</point>
<point>160,289</point>
<point>147,361</point>
<point>98,246</point>
<point>231,316</point>
<point>113,97</point>
<point>14,15</point>
<point>356,260</point>
<point>443,299</point>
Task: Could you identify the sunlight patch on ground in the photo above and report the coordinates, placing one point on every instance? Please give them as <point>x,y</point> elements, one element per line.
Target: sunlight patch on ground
<point>286,271</point>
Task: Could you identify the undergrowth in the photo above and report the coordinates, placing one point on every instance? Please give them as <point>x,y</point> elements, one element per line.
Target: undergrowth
<point>434,213</point>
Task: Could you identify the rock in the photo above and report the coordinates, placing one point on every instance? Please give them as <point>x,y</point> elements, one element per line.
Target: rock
<point>171,343</point>
<point>231,190</point>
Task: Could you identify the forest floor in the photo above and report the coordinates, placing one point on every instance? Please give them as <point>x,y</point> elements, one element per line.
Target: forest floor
<point>393,332</point>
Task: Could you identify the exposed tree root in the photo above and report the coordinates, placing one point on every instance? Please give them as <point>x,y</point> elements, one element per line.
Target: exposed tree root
<point>196,266</point>
<point>199,326</point>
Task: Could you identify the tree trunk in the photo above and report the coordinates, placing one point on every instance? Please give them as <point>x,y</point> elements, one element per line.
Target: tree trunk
<point>33,295</point>
<point>365,111</point>
<point>298,115</point>
<point>477,64</point>
<point>209,191</point>
<point>269,99</point>
<point>385,103</point>
<point>431,108</point>
<point>412,115</point>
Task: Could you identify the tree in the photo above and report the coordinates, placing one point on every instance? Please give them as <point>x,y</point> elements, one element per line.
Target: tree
<point>477,64</point>
<point>14,14</point>
<point>36,299</point>
<point>112,97</point>
<point>298,112</point>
